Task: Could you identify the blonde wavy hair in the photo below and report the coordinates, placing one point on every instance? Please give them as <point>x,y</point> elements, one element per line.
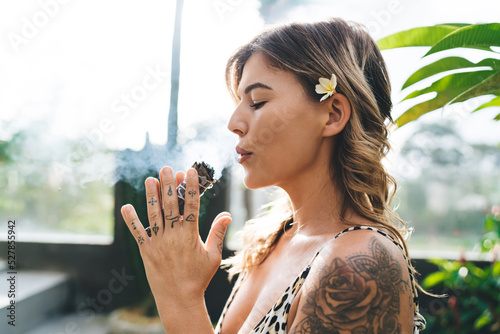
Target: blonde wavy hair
<point>311,51</point>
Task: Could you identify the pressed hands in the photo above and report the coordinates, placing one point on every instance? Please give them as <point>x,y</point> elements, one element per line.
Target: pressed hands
<point>179,266</point>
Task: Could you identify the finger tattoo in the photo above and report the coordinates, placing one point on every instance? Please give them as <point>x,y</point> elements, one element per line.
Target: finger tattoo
<point>191,218</point>
<point>155,229</point>
<point>173,220</point>
<point>169,193</point>
<point>152,201</point>
<point>140,240</point>
<point>133,225</point>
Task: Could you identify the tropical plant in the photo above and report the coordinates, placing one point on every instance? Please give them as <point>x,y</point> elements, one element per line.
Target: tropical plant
<point>491,237</point>
<point>473,303</point>
<point>454,78</point>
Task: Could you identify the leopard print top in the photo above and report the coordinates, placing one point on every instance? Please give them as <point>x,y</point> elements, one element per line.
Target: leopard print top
<point>275,321</point>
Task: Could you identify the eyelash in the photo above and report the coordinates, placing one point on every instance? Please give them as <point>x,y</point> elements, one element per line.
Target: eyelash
<point>257,105</point>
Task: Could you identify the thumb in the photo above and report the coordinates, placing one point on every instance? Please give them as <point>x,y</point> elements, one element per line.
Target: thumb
<point>215,239</point>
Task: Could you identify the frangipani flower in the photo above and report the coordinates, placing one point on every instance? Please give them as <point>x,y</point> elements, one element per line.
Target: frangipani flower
<point>326,87</point>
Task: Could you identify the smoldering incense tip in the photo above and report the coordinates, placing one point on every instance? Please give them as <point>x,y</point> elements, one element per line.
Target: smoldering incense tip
<point>205,180</point>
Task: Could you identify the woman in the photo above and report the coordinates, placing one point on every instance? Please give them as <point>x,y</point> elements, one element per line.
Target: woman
<point>313,105</point>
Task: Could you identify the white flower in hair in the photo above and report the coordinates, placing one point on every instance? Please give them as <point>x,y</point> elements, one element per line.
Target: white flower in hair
<point>326,87</point>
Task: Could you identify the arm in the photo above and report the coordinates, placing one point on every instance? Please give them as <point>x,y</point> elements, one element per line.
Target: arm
<point>179,266</point>
<point>357,292</point>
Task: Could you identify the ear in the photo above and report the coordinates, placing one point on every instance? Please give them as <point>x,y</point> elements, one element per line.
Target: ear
<point>339,113</point>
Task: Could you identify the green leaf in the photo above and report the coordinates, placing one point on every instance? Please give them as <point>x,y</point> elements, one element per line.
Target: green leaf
<point>446,265</point>
<point>447,89</point>
<point>483,320</point>
<point>448,64</point>
<point>452,85</point>
<point>495,102</point>
<point>421,36</point>
<point>496,270</point>
<point>477,36</point>
<point>475,270</point>
<point>434,279</point>
<point>490,85</point>
<point>497,117</point>
<point>418,110</point>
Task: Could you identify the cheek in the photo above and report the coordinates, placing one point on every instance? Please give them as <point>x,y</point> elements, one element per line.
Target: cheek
<point>284,143</point>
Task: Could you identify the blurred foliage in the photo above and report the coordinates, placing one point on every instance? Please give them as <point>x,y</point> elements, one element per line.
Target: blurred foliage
<point>473,302</point>
<point>491,238</point>
<point>55,186</point>
<point>455,79</point>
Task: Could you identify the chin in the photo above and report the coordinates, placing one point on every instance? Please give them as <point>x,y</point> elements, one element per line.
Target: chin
<point>251,180</point>
<point>255,182</point>
<point>251,185</point>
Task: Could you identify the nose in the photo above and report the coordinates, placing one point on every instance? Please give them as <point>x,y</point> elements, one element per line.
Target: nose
<point>237,123</point>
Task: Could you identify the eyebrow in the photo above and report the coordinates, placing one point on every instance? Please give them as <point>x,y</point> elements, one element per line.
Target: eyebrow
<point>256,85</point>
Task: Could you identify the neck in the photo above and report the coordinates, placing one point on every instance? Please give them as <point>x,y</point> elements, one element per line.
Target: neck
<point>316,202</point>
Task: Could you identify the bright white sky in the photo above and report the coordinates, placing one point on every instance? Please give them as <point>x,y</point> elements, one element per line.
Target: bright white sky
<point>77,62</point>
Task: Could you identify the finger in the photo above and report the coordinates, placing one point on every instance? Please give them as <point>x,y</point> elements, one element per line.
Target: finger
<point>191,202</point>
<point>167,190</point>
<point>215,239</point>
<point>169,199</point>
<point>134,224</point>
<point>179,177</point>
<point>222,214</point>
<point>155,215</point>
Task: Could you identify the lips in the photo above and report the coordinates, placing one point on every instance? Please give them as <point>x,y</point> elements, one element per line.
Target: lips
<point>244,154</point>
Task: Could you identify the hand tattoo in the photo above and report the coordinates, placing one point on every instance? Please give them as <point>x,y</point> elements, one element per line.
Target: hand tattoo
<point>191,218</point>
<point>171,219</point>
<point>133,225</point>
<point>192,193</point>
<point>155,229</point>
<point>140,240</point>
<point>169,193</point>
<point>152,201</point>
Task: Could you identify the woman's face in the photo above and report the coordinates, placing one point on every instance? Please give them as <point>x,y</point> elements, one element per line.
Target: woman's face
<point>279,127</point>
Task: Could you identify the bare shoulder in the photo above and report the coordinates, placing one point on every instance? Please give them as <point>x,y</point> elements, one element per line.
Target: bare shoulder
<point>358,284</point>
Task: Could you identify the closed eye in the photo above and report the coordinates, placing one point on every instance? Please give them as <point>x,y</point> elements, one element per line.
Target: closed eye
<point>258,105</point>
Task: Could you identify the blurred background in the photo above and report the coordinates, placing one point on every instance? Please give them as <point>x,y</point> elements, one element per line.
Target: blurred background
<point>96,96</point>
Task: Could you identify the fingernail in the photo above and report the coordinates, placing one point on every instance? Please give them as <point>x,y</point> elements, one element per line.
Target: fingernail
<point>191,172</point>
<point>150,182</point>
<point>167,171</point>
<point>127,208</point>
